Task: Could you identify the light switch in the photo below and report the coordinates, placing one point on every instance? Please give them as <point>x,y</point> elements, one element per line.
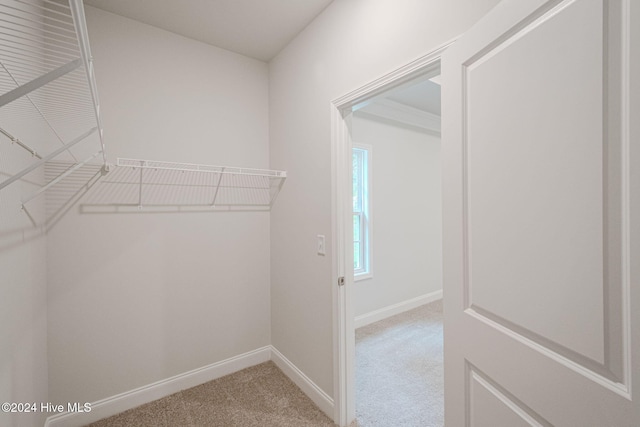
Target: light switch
<point>321,247</point>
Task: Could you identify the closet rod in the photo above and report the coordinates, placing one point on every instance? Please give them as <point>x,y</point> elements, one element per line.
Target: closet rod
<point>47,158</point>
<point>20,143</point>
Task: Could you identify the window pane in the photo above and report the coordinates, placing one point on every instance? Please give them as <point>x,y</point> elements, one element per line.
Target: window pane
<point>360,159</point>
<point>357,180</point>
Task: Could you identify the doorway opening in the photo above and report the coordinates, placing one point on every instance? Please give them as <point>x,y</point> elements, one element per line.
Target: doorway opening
<point>397,253</point>
<point>348,110</point>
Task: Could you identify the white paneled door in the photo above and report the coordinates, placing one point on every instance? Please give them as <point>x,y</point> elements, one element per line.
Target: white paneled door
<point>541,164</point>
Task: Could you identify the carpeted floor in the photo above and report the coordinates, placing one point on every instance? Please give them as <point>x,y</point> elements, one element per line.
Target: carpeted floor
<point>398,383</point>
<point>260,396</point>
<point>399,370</point>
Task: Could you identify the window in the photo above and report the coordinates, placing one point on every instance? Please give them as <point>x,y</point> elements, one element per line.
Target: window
<point>361,211</point>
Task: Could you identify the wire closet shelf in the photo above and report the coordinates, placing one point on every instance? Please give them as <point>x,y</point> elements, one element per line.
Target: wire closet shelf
<point>48,97</point>
<point>50,112</point>
<point>144,185</point>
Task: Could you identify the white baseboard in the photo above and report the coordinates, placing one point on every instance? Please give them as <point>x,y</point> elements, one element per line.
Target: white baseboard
<point>394,309</point>
<point>131,399</point>
<point>119,403</point>
<point>315,393</point>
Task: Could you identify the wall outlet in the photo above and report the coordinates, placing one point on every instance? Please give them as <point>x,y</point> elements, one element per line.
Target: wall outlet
<point>321,247</point>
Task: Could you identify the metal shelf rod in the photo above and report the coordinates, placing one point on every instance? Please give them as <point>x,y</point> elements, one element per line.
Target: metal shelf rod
<point>60,177</point>
<point>39,82</point>
<point>20,143</point>
<point>77,11</point>
<point>55,132</point>
<point>192,167</point>
<point>46,159</point>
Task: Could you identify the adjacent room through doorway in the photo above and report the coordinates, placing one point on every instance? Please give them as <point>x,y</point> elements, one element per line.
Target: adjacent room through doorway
<point>397,244</point>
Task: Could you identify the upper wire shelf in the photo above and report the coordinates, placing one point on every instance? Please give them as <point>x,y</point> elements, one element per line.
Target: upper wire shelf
<point>137,185</point>
<point>49,108</point>
<point>48,97</point>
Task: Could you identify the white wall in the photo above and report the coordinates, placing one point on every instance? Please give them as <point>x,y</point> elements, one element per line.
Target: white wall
<point>133,299</point>
<point>23,291</point>
<point>351,43</point>
<point>406,212</point>
<point>23,265</point>
<point>137,298</point>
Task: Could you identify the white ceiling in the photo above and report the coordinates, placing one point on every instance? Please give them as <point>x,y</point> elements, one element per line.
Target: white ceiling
<point>255,28</point>
<point>416,104</point>
<point>424,96</point>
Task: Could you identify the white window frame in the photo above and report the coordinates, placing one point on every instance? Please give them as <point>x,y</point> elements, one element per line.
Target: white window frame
<point>365,272</point>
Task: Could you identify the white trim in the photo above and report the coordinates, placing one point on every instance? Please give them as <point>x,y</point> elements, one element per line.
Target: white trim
<point>343,319</point>
<point>343,331</point>
<point>315,393</point>
<point>424,64</point>
<point>402,114</point>
<point>392,310</point>
<point>626,109</point>
<point>363,276</point>
<point>130,399</point>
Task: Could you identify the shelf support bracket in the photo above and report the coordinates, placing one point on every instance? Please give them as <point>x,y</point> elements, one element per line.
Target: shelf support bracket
<point>215,196</point>
<point>275,194</point>
<point>60,177</point>
<point>142,165</point>
<point>46,158</point>
<point>37,83</point>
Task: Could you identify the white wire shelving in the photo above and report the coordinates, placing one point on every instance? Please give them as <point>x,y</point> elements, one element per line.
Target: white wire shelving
<point>49,109</point>
<point>147,185</point>
<point>49,103</point>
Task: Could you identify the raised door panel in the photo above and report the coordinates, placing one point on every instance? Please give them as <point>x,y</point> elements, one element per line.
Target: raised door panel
<point>535,166</point>
<point>491,405</point>
<point>538,146</point>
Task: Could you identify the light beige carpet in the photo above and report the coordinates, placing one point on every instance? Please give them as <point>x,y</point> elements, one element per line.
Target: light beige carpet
<point>260,396</point>
<point>398,384</point>
<point>399,370</point>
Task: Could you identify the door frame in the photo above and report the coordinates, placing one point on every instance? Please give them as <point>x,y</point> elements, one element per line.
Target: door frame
<point>342,222</point>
